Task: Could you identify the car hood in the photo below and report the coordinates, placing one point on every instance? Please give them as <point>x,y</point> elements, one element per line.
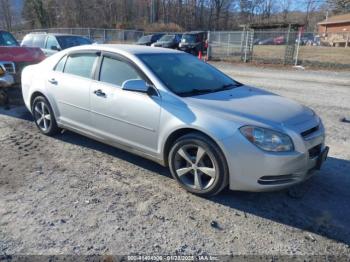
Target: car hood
<point>247,104</point>
<point>21,54</point>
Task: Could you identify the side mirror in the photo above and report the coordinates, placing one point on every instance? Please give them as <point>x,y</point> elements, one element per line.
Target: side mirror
<point>56,48</point>
<point>136,85</point>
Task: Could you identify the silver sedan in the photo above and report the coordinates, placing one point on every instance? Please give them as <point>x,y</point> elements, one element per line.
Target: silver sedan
<point>210,130</point>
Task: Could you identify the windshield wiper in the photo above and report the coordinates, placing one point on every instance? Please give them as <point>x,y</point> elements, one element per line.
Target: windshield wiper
<point>229,86</point>
<point>194,92</point>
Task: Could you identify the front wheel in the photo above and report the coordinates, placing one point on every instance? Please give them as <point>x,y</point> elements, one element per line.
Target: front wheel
<point>198,164</point>
<point>44,117</point>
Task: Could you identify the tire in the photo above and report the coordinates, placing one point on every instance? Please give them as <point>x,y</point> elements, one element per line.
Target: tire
<point>46,122</point>
<point>187,163</point>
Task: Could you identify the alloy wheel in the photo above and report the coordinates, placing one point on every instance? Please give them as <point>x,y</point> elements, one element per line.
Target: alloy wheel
<point>42,116</point>
<point>195,167</point>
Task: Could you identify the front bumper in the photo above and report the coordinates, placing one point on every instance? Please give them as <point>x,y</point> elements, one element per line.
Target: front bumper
<point>252,169</point>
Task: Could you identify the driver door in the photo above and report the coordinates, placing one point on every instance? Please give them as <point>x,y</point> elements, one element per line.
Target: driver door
<point>127,117</point>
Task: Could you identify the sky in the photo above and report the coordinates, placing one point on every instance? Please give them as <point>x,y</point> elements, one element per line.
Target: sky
<point>301,5</point>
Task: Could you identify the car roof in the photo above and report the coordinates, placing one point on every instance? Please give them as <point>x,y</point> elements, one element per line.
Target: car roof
<point>194,32</point>
<point>53,34</point>
<point>130,49</point>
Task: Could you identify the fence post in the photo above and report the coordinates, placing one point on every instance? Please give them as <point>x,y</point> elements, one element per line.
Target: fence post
<point>242,40</point>
<point>228,44</point>
<point>104,36</point>
<point>209,46</point>
<point>347,40</point>
<point>89,32</point>
<point>298,46</point>
<point>246,47</point>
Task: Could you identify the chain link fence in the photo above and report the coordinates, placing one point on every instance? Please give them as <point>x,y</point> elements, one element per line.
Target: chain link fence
<point>257,46</point>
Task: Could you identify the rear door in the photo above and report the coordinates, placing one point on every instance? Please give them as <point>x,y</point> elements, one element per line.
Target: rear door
<point>70,83</point>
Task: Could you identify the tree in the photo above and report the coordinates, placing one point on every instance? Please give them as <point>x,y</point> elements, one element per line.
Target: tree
<point>35,13</point>
<point>6,14</point>
<point>339,6</point>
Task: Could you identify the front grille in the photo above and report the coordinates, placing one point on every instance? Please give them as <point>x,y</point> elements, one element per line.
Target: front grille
<point>10,68</point>
<point>309,131</point>
<point>277,180</point>
<point>315,151</point>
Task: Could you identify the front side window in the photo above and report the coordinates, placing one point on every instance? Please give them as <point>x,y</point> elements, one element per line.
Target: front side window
<point>186,75</point>
<point>80,64</point>
<point>116,72</point>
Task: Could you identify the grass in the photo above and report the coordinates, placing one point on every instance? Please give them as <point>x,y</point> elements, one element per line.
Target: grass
<point>321,54</point>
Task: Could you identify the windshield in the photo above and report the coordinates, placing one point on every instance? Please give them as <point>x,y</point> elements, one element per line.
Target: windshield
<point>166,38</point>
<point>6,39</point>
<point>145,39</point>
<point>188,39</point>
<point>186,75</point>
<point>70,41</point>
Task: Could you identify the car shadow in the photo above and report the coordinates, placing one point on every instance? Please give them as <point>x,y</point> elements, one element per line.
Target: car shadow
<point>320,205</point>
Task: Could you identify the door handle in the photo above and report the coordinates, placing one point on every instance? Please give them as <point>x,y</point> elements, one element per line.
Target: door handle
<point>53,81</point>
<point>99,92</point>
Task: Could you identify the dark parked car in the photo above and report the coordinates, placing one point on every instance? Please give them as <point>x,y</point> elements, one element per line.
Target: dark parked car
<point>266,41</point>
<point>169,41</point>
<point>52,43</point>
<point>149,39</point>
<point>193,42</point>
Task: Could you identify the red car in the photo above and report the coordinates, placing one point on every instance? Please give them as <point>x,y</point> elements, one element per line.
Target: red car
<point>280,40</point>
<point>13,59</point>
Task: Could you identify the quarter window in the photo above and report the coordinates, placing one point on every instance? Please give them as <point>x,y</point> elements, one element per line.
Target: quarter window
<point>60,65</point>
<point>114,71</point>
<point>80,64</point>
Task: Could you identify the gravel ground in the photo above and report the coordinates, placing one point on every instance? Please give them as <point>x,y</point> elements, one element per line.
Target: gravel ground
<point>72,195</point>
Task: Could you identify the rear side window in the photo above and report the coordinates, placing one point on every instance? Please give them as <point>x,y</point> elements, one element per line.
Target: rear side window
<point>39,41</point>
<point>80,64</point>
<point>27,41</point>
<point>114,71</point>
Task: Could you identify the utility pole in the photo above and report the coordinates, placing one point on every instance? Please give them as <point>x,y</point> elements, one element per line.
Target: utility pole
<point>153,11</point>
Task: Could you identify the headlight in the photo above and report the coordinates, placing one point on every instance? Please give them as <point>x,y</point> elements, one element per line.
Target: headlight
<point>267,139</point>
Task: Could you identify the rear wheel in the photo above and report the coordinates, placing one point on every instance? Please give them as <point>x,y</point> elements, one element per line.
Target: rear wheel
<point>198,164</point>
<point>44,117</point>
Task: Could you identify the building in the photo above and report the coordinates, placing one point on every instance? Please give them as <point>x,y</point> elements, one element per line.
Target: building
<point>335,31</point>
